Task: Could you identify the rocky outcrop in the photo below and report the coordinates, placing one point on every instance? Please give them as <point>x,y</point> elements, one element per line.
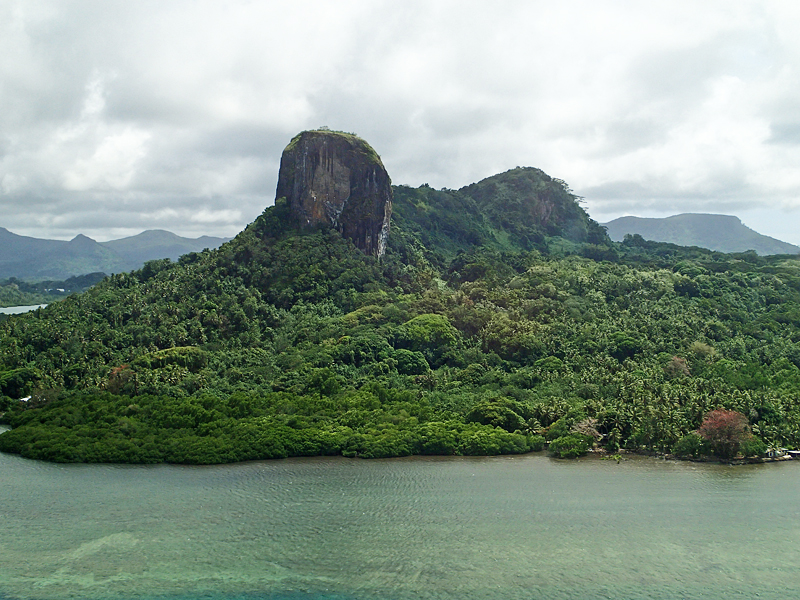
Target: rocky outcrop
<point>337,179</point>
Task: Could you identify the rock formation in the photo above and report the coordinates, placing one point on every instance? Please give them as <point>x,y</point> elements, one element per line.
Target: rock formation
<point>337,179</point>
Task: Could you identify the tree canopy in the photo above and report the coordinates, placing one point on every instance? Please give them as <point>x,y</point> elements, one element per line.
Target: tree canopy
<point>474,334</point>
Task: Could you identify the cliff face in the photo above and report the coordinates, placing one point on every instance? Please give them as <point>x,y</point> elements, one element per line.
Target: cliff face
<point>337,179</point>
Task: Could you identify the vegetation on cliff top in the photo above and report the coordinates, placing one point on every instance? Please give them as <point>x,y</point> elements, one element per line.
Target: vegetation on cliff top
<point>481,331</point>
<point>355,142</point>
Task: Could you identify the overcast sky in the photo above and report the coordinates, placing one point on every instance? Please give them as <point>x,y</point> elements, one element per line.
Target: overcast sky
<point>116,117</point>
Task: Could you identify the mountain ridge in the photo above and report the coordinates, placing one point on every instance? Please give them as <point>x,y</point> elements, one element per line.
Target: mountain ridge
<point>722,233</point>
<point>29,258</point>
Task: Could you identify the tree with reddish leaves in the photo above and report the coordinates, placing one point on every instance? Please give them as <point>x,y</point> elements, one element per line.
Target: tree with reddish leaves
<point>725,431</point>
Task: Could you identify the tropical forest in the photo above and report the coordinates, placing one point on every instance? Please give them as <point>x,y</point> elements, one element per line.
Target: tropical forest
<point>500,319</point>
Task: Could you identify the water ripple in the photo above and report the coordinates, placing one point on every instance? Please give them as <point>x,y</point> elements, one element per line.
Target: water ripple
<point>438,528</point>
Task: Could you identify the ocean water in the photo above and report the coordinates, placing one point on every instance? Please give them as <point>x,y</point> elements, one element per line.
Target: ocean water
<point>524,527</point>
<point>18,310</point>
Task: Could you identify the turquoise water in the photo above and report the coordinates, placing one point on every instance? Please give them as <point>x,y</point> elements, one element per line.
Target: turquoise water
<point>440,528</point>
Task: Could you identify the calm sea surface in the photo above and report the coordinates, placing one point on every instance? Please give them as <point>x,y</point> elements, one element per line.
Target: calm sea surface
<point>525,527</point>
<point>18,310</point>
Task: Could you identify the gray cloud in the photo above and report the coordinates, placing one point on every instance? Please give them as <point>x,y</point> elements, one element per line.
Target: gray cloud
<point>120,116</point>
<point>785,133</point>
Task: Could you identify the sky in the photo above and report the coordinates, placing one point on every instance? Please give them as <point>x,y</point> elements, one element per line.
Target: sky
<point>119,116</point>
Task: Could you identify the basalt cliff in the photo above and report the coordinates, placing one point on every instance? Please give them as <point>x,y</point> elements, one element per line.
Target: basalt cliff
<point>337,179</point>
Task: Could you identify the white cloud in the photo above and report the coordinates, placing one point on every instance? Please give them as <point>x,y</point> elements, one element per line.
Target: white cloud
<point>111,165</point>
<point>164,106</point>
<point>216,216</point>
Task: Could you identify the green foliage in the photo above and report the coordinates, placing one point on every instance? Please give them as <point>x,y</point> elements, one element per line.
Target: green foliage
<point>536,443</point>
<point>623,345</point>
<point>570,446</point>
<point>752,446</point>
<point>691,445</point>
<point>428,332</point>
<point>5,403</point>
<point>478,332</point>
<point>189,357</point>
<point>16,383</point>
<point>558,429</point>
<point>526,204</point>
<point>498,412</point>
<point>203,429</point>
<point>564,425</point>
<point>410,363</point>
<point>354,140</point>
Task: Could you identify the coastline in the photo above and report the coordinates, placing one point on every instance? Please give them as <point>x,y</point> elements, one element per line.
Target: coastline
<point>753,460</point>
<point>19,310</point>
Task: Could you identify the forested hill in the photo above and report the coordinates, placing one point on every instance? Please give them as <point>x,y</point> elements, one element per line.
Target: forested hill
<point>519,210</point>
<point>499,316</point>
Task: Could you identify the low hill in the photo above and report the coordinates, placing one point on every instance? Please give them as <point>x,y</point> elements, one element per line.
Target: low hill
<point>520,210</point>
<point>478,331</point>
<point>722,233</point>
<point>34,259</point>
<point>157,243</point>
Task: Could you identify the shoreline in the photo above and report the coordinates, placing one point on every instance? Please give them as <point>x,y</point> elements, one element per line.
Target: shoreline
<point>21,309</point>
<point>753,460</point>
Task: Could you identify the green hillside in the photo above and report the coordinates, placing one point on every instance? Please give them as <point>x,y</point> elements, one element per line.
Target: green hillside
<point>501,316</point>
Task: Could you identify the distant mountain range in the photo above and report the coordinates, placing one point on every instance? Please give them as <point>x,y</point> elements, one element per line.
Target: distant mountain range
<point>723,233</point>
<point>35,259</point>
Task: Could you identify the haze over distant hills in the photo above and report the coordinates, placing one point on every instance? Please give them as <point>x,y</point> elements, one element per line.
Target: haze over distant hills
<point>36,259</point>
<point>723,233</point>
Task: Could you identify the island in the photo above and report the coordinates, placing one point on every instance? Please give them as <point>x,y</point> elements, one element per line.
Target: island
<point>359,318</point>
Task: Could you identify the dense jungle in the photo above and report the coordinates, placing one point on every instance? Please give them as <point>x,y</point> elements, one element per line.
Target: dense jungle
<point>480,331</point>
